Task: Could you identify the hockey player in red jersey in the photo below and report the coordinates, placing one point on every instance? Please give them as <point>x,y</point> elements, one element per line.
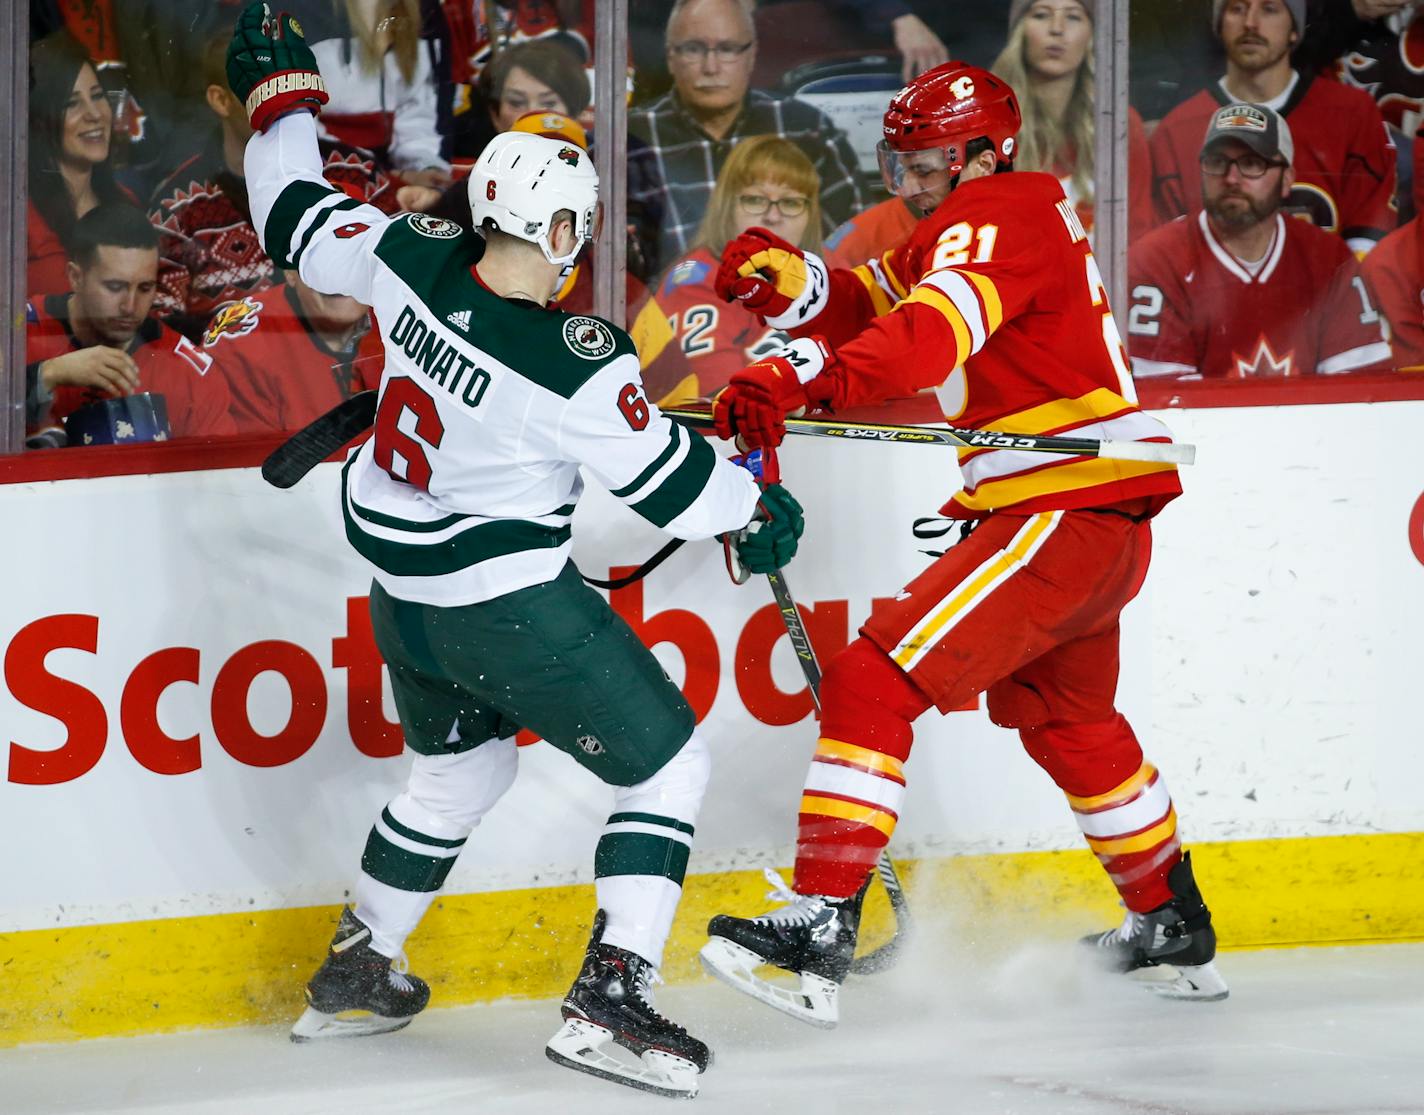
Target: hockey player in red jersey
<point>1345,159</point>
<point>997,303</point>
<point>1240,291</point>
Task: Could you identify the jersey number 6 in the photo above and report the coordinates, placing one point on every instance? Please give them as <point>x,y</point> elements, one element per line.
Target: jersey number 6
<point>402,395</point>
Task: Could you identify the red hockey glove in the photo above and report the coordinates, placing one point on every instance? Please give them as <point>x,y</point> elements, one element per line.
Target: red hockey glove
<point>271,68</point>
<point>756,401</point>
<point>762,271</point>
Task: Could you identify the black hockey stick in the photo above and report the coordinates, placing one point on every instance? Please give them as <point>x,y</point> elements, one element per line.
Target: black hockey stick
<point>962,438</point>
<point>319,439</point>
<point>877,960</point>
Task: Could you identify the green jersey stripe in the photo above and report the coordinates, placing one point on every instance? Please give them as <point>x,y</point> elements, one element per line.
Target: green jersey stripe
<point>287,213</point>
<point>418,837</point>
<point>653,819</point>
<point>675,435</point>
<point>681,487</point>
<point>424,526</point>
<point>636,853</point>
<point>316,225</point>
<point>470,547</point>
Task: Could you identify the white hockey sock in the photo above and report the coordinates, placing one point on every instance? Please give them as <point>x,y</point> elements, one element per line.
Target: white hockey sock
<point>642,855</point>
<point>414,842</point>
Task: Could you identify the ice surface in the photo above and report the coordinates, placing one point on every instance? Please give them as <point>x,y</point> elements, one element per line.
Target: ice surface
<point>1322,1031</point>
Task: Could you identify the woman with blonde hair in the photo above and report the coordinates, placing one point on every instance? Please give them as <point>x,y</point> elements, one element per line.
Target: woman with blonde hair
<point>381,82</point>
<point>767,182</point>
<point>1049,61</point>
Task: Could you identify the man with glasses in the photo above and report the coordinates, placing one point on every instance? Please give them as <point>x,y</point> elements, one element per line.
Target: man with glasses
<point>711,49</point>
<point>1345,168</point>
<point>1240,291</point>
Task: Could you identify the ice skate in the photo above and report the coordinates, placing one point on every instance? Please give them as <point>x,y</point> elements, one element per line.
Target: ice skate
<point>358,991</point>
<point>812,937</point>
<point>1171,950</point>
<point>611,1004</point>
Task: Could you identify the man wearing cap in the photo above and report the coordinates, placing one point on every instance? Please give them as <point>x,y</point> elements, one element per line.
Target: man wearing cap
<point>1345,159</point>
<point>1239,290</point>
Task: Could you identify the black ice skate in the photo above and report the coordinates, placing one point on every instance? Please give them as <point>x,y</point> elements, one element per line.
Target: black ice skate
<point>358,991</point>
<point>812,937</point>
<point>1171,950</point>
<point>611,1003</point>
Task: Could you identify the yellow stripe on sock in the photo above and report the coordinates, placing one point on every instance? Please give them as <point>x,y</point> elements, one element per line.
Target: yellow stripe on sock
<point>848,811</point>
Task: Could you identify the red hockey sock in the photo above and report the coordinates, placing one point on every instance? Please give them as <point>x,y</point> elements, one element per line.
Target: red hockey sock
<point>1119,800</point>
<point>856,781</point>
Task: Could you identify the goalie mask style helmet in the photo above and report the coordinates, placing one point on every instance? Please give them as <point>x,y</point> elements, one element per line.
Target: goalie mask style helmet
<point>519,183</point>
<point>941,111</point>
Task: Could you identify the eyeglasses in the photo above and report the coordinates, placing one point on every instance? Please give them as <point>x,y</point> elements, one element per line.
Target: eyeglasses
<point>695,51</point>
<point>757,205</point>
<point>1250,166</point>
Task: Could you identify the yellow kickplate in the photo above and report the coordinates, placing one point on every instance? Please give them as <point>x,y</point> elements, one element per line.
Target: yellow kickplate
<point>235,969</point>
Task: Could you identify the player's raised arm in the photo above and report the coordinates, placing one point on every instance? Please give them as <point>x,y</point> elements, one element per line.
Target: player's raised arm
<point>303,221</point>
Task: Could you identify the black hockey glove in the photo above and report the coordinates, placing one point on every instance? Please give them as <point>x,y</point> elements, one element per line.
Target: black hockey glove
<point>271,68</point>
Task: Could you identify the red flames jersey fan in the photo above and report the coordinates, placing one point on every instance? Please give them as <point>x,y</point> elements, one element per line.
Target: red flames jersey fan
<point>1198,311</point>
<point>1395,273</point>
<point>1344,159</point>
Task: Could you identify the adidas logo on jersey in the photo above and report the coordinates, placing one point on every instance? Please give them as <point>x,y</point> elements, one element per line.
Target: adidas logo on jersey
<point>460,318</point>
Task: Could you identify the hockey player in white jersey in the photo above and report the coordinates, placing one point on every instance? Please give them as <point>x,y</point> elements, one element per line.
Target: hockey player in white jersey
<point>490,407</point>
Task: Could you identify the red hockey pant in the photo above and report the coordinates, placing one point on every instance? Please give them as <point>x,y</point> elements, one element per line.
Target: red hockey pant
<point>1025,609</point>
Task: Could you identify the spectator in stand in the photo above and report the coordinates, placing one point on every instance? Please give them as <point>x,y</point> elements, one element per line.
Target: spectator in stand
<point>99,342</point>
<point>210,253</point>
<point>711,48</point>
<point>767,182</point>
<point>1395,273</point>
<point>1048,60</point>
<point>381,83</point>
<point>1241,291</point>
<point>291,353</point>
<point>1344,167</point>
<point>71,129</point>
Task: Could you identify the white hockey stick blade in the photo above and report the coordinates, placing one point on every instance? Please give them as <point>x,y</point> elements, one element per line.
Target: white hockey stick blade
<point>580,1045</point>
<point>1176,453</point>
<point>815,1002</point>
<point>1196,983</point>
<point>314,1025</point>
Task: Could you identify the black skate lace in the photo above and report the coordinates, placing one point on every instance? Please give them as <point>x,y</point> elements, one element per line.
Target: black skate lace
<point>800,909</point>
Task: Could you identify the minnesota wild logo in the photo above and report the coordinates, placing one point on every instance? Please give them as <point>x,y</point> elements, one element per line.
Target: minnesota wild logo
<point>569,155</point>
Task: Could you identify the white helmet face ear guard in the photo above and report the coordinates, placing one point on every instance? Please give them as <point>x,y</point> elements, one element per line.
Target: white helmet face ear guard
<point>520,181</point>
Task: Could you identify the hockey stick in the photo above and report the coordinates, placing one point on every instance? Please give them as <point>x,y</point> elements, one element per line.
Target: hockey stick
<point>883,957</point>
<point>961,438</point>
<point>319,439</point>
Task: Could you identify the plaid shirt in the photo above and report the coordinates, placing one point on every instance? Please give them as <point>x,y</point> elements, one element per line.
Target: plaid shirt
<point>686,161</point>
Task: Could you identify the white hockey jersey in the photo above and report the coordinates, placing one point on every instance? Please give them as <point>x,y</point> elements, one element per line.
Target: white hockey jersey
<point>488,408</point>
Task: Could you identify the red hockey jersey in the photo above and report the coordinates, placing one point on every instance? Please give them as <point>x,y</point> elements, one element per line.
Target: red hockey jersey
<point>168,364</point>
<point>1395,273</point>
<point>281,374</point>
<point>996,301</point>
<point>714,340</point>
<point>1344,159</point>
<point>1197,311</point>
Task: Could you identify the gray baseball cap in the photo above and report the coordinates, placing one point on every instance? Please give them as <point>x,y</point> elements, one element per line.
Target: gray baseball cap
<point>1262,129</point>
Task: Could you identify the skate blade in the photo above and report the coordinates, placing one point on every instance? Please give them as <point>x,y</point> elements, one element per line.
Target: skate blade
<point>580,1045</point>
<point>814,1002</point>
<point>315,1025</point>
<point>1198,983</point>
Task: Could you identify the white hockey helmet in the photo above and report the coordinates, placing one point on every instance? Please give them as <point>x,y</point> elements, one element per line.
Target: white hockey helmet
<point>521,180</point>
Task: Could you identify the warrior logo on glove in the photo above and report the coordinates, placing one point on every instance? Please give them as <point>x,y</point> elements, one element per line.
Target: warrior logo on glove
<point>271,68</point>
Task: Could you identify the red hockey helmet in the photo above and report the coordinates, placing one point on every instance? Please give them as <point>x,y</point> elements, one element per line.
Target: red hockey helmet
<point>942,110</point>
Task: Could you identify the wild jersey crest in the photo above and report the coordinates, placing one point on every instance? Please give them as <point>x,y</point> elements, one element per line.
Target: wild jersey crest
<point>587,337</point>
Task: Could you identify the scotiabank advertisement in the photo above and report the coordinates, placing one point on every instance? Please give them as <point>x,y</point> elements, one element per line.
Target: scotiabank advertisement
<point>195,718</point>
